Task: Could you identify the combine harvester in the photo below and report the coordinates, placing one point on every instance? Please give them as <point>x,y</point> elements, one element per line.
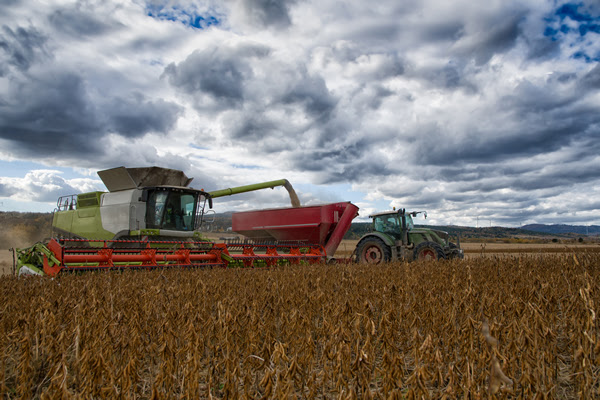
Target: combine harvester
<point>152,218</point>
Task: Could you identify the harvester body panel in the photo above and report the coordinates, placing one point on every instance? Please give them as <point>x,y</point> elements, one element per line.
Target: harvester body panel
<point>115,212</point>
<point>81,223</point>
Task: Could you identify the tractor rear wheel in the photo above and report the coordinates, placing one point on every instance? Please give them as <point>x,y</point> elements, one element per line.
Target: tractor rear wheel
<point>429,251</point>
<point>373,251</point>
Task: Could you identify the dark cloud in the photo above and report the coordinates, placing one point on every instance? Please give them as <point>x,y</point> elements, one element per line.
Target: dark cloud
<point>77,22</point>
<point>312,93</point>
<point>548,120</point>
<point>449,77</point>
<point>334,163</point>
<point>543,48</point>
<point>22,46</point>
<point>376,33</point>
<point>268,13</point>
<point>481,147</point>
<point>254,127</point>
<point>136,116</point>
<point>219,73</point>
<point>7,191</point>
<point>254,95</point>
<point>49,116</point>
<point>591,80</point>
<point>448,30</point>
<point>7,3</point>
<point>55,115</point>
<point>529,98</point>
<point>499,37</point>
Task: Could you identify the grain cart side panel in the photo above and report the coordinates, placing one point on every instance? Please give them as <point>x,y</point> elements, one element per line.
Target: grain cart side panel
<point>314,224</point>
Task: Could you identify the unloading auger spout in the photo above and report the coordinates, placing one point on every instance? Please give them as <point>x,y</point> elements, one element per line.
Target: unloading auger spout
<point>258,186</point>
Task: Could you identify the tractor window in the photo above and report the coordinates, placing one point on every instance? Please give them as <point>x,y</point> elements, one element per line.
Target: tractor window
<point>386,223</point>
<point>409,222</point>
<point>171,210</point>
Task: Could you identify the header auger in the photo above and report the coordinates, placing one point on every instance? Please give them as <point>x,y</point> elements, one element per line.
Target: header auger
<point>65,255</point>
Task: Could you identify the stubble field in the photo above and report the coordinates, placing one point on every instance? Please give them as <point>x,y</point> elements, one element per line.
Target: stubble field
<point>499,249</point>
<point>516,326</point>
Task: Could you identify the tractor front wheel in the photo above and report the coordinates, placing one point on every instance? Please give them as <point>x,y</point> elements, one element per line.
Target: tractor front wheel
<point>455,251</point>
<point>373,251</point>
<point>429,251</point>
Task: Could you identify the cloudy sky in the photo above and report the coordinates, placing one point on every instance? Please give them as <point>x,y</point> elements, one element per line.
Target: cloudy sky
<point>478,112</point>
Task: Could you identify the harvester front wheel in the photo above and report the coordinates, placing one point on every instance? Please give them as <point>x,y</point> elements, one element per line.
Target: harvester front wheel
<point>429,251</point>
<point>373,251</point>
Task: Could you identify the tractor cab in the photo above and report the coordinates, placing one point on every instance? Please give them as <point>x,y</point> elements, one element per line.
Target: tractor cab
<point>396,223</point>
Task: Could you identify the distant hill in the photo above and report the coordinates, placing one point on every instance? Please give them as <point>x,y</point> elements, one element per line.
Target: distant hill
<point>559,229</point>
<point>23,229</point>
<point>360,228</point>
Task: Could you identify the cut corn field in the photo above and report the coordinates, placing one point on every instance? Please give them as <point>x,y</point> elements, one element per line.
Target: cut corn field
<point>513,328</point>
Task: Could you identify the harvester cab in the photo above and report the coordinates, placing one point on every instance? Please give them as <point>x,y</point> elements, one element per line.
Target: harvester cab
<point>140,202</point>
<point>394,236</point>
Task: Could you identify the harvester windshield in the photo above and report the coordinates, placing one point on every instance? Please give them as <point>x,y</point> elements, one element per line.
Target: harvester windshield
<point>174,209</point>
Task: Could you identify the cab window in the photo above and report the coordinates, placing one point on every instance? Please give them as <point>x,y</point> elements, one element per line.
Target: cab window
<point>170,210</point>
<point>409,222</point>
<point>386,223</point>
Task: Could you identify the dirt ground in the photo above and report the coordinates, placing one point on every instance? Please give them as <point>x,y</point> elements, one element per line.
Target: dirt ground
<point>6,262</point>
<point>479,249</point>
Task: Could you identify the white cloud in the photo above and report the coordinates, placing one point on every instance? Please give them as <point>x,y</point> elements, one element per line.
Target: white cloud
<point>44,185</point>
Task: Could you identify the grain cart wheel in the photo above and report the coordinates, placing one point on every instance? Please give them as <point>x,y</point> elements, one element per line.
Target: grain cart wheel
<point>373,251</point>
<point>429,251</point>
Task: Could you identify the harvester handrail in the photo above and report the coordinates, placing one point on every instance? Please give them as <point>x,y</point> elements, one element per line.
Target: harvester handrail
<point>63,203</point>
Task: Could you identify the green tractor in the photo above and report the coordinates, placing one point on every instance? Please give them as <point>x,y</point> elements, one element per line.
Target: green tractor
<point>394,237</point>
